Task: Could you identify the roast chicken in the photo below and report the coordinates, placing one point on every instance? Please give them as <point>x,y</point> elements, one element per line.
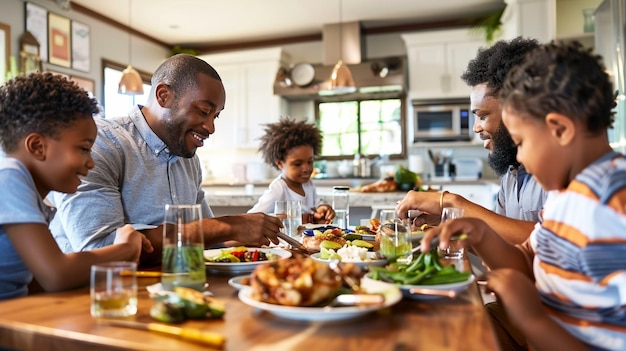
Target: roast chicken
<point>297,281</point>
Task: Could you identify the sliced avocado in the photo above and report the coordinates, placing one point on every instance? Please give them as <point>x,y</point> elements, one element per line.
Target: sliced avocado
<point>193,300</point>
<point>216,307</point>
<point>167,312</point>
<point>351,237</point>
<point>327,244</point>
<point>198,305</point>
<point>362,243</point>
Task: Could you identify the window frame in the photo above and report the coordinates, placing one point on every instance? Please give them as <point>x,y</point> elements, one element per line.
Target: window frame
<point>367,97</point>
<point>146,77</point>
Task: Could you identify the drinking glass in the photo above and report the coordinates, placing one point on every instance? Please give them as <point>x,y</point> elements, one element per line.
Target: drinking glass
<point>341,205</point>
<point>394,236</point>
<point>454,250</point>
<point>290,212</point>
<point>113,289</point>
<point>183,248</point>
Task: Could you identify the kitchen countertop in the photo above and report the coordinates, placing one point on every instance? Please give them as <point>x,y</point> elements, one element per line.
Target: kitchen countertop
<point>239,197</point>
<point>330,182</point>
<point>238,194</point>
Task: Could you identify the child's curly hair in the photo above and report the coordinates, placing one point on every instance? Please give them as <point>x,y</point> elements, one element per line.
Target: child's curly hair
<point>562,78</point>
<point>40,103</point>
<point>284,135</point>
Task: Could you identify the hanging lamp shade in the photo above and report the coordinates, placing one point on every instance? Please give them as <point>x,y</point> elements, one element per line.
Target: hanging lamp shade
<point>130,83</point>
<point>341,81</point>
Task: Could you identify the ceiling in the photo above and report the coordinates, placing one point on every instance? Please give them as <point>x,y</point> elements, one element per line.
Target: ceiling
<point>217,22</point>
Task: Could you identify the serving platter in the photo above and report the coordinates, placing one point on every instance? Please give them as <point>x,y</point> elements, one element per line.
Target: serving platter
<point>372,260</point>
<point>327,313</point>
<point>240,267</point>
<point>458,287</point>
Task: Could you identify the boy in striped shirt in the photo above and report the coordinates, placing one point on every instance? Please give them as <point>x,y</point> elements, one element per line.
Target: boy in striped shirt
<point>565,287</point>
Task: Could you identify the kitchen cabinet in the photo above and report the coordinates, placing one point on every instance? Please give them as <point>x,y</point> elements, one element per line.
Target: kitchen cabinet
<point>436,61</point>
<point>248,78</point>
<point>529,19</point>
<point>546,20</point>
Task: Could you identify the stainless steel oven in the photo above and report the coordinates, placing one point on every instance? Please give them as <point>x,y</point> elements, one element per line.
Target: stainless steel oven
<point>442,120</point>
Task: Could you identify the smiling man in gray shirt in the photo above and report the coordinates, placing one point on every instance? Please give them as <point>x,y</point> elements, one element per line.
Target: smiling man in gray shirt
<point>520,198</point>
<point>148,159</point>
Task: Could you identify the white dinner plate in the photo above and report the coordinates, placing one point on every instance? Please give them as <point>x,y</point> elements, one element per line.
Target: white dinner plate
<point>372,261</point>
<point>392,296</point>
<point>236,282</point>
<point>240,267</point>
<point>458,287</point>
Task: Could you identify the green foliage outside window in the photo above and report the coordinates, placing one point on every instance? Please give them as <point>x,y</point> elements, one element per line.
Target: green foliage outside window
<point>368,127</point>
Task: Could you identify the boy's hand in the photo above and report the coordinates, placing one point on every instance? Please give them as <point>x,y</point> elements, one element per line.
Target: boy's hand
<point>128,234</point>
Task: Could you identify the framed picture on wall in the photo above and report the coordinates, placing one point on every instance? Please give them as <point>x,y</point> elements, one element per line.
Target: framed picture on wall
<point>80,46</point>
<point>37,24</point>
<point>5,50</point>
<point>59,40</point>
<point>85,83</point>
<point>30,61</point>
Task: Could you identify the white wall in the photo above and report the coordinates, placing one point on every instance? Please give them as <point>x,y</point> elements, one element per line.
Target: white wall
<point>570,20</point>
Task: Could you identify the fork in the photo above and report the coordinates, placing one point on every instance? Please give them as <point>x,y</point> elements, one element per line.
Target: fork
<point>334,266</point>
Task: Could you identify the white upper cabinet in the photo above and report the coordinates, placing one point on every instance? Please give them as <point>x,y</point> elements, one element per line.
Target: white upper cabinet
<point>529,19</point>
<point>546,20</point>
<point>248,78</point>
<point>436,61</point>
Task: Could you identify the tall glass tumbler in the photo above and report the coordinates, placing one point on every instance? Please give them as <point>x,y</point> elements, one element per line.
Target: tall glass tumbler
<point>290,212</point>
<point>341,205</point>
<point>183,248</point>
<point>454,250</point>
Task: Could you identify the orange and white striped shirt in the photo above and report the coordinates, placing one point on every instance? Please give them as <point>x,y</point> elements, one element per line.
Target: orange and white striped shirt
<point>580,254</point>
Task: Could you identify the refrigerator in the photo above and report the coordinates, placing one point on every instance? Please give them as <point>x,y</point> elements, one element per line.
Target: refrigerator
<point>610,40</point>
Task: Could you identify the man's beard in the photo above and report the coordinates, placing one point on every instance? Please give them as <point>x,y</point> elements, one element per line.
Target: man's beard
<point>177,144</point>
<point>504,151</point>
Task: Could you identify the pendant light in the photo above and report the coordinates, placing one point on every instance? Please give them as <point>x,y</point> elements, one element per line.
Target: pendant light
<point>341,81</point>
<point>131,82</point>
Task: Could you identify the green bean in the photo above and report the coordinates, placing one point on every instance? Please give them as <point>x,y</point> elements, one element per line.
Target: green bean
<point>416,265</point>
<point>437,279</point>
<point>417,278</point>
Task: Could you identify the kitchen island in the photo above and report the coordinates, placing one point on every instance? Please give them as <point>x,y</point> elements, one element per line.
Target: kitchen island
<point>237,197</point>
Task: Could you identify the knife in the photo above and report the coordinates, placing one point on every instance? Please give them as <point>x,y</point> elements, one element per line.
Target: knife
<point>190,334</point>
<point>139,274</point>
<point>291,241</point>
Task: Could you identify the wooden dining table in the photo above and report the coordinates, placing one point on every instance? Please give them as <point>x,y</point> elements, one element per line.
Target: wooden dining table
<point>62,321</point>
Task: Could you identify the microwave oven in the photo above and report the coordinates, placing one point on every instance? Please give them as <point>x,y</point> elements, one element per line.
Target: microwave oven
<point>442,121</point>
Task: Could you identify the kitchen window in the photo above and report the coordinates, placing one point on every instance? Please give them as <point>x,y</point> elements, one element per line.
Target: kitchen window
<point>115,104</point>
<point>367,126</point>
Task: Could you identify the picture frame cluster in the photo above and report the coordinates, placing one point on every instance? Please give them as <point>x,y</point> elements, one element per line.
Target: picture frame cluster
<point>62,42</point>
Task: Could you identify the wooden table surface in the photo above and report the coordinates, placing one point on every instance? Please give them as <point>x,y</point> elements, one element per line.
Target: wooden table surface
<point>61,321</point>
